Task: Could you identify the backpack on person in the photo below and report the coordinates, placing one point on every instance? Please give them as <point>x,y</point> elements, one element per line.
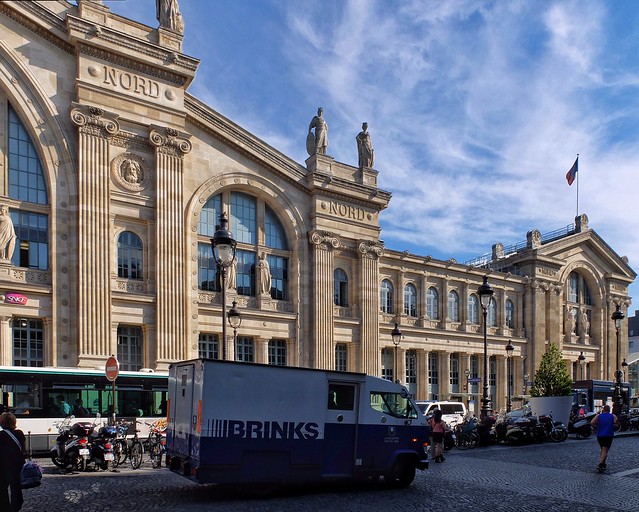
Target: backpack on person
<point>31,472</point>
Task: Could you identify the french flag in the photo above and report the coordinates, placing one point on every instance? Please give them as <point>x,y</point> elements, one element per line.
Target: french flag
<point>572,173</point>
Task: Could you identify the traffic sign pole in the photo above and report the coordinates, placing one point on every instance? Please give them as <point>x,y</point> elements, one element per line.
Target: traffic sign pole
<point>111,369</point>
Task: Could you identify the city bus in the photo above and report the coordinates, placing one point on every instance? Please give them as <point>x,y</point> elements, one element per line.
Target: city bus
<point>40,397</point>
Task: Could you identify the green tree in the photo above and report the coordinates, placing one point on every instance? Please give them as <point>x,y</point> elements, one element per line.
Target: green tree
<point>552,378</point>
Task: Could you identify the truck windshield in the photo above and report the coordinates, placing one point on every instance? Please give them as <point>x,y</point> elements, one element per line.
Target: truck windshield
<point>393,404</point>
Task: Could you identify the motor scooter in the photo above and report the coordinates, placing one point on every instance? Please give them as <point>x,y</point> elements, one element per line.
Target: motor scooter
<point>71,450</point>
<point>580,425</point>
<point>102,455</point>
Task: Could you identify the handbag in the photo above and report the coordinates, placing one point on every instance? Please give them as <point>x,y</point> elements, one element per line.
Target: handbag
<point>31,472</point>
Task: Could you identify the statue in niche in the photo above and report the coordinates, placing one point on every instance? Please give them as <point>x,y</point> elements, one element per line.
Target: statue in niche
<point>318,142</point>
<point>169,16</point>
<point>231,282</point>
<point>7,234</point>
<point>365,151</point>
<point>131,172</point>
<point>584,324</point>
<point>263,275</point>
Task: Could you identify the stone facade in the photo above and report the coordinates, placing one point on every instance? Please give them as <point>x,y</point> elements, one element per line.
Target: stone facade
<point>134,165</point>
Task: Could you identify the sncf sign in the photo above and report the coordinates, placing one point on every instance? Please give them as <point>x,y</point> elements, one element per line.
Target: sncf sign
<point>15,298</point>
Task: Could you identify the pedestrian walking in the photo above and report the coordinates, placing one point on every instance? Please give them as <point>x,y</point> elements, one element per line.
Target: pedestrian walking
<point>437,429</point>
<point>605,423</point>
<point>12,447</point>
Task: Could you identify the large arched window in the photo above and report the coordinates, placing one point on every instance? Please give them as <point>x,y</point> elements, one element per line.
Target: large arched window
<point>27,185</point>
<point>432,303</point>
<point>410,300</point>
<point>453,306</point>
<point>473,309</point>
<point>246,224</point>
<point>129,256</point>
<point>510,314</point>
<point>386,297</point>
<point>340,288</point>
<point>491,313</point>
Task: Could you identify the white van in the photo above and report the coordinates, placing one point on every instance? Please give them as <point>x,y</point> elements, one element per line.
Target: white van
<point>452,412</point>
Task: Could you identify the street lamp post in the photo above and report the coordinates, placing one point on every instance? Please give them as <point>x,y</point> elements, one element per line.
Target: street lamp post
<point>582,363</point>
<point>396,336</point>
<point>526,377</point>
<point>617,317</point>
<point>235,320</point>
<point>223,251</point>
<point>509,355</point>
<point>485,292</point>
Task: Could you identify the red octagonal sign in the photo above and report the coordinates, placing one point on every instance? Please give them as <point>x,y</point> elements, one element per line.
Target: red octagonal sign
<point>112,368</point>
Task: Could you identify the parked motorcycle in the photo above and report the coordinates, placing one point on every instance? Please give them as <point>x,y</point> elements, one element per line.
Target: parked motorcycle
<point>580,425</point>
<point>554,430</point>
<point>524,429</point>
<point>101,454</point>
<point>71,450</point>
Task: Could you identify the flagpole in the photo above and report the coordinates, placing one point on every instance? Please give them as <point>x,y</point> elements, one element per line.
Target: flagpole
<point>577,214</point>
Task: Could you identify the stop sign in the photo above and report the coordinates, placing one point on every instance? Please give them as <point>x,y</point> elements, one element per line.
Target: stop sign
<point>112,368</point>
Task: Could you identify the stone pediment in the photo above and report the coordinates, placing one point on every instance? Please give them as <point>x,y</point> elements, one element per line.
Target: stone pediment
<point>589,246</point>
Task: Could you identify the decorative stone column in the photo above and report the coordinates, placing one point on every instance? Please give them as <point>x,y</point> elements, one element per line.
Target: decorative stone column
<point>170,148</point>
<point>370,251</point>
<point>422,374</point>
<point>261,350</point>
<point>444,375</point>
<point>95,126</point>
<point>6,341</point>
<point>323,244</point>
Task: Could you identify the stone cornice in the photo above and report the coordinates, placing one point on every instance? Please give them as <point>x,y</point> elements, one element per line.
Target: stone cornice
<point>130,64</point>
<point>39,13</point>
<point>242,141</point>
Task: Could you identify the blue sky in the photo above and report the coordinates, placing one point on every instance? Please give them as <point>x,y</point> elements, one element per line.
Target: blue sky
<point>476,109</point>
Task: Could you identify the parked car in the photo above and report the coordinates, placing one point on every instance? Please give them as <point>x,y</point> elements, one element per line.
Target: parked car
<point>452,412</point>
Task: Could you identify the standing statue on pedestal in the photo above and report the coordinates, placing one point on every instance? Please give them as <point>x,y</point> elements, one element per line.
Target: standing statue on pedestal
<point>365,149</point>
<point>7,234</point>
<point>263,275</point>
<point>317,143</point>
<point>169,16</point>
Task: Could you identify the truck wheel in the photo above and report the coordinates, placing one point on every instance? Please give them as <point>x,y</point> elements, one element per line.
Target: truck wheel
<point>401,474</point>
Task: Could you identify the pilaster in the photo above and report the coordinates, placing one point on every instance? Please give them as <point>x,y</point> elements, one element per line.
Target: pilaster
<point>170,148</point>
<point>323,352</point>
<point>369,253</point>
<point>95,127</point>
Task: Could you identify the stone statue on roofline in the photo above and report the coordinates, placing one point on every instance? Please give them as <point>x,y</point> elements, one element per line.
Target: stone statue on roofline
<point>365,151</point>
<point>169,16</point>
<point>316,143</point>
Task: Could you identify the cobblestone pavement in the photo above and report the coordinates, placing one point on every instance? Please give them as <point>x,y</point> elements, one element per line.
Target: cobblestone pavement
<point>553,477</point>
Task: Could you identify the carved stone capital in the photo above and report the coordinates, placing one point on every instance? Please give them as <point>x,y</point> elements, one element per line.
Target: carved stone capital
<point>170,141</point>
<point>370,248</point>
<point>324,239</point>
<point>94,120</point>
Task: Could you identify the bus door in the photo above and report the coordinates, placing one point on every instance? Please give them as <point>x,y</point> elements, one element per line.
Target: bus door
<point>341,428</point>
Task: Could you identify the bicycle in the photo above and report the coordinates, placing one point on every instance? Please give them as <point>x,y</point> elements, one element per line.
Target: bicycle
<point>123,449</point>
<point>155,443</point>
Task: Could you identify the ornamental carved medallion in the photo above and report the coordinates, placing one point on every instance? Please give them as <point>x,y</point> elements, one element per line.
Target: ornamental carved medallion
<point>130,172</point>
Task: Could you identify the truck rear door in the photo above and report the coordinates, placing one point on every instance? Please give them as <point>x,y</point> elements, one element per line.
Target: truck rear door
<point>184,420</point>
<point>340,430</point>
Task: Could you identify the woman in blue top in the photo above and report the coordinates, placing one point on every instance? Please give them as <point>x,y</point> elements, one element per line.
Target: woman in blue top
<point>605,423</point>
